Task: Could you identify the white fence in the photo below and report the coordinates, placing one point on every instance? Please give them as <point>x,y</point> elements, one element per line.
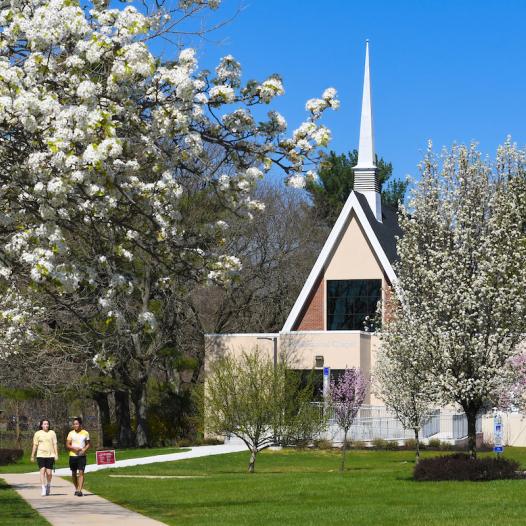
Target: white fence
<point>378,422</point>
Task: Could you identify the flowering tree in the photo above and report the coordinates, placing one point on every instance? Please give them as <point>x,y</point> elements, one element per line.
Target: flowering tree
<point>462,278</point>
<point>260,402</point>
<point>347,395</point>
<point>120,171</point>
<point>402,373</point>
<point>513,393</point>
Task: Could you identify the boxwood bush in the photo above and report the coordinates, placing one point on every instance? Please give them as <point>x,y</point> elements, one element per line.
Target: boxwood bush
<point>461,467</point>
<point>9,456</point>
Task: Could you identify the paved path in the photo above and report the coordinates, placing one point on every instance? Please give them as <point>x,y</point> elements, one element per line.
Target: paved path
<point>200,451</point>
<point>62,508</point>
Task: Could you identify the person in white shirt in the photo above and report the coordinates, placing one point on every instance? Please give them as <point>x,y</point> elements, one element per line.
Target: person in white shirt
<point>78,443</point>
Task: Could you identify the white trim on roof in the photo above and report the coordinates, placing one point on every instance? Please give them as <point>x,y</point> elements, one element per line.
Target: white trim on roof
<point>307,333</point>
<point>235,334</point>
<point>352,204</point>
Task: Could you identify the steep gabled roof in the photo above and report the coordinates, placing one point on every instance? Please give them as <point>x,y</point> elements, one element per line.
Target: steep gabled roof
<point>387,231</point>
<point>381,237</point>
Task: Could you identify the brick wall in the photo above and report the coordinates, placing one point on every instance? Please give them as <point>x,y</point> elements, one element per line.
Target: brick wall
<point>312,316</point>
<point>388,306</point>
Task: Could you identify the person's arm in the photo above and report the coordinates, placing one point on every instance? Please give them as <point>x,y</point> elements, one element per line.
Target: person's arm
<point>69,445</point>
<point>34,450</point>
<point>86,447</point>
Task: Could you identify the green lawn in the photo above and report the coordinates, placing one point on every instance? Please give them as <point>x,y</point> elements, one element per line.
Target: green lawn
<point>14,511</point>
<point>25,465</point>
<point>305,487</point>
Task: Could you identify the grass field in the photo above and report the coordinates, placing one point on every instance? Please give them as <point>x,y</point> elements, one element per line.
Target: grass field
<point>25,465</point>
<point>305,487</point>
<point>15,512</point>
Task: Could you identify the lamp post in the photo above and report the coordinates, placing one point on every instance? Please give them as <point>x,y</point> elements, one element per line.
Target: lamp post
<point>274,340</point>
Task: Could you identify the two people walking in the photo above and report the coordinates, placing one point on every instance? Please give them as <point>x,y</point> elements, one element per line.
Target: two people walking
<point>45,450</point>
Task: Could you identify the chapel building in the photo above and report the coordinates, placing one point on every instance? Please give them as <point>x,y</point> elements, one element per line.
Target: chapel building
<point>331,325</point>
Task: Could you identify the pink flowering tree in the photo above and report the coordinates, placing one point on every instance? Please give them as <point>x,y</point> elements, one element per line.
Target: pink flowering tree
<point>347,395</point>
<point>513,392</point>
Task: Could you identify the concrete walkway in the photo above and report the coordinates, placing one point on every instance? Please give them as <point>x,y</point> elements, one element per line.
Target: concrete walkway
<point>195,452</point>
<point>62,508</point>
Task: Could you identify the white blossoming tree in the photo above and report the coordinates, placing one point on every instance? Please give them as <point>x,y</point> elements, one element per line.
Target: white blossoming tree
<point>119,170</point>
<point>401,376</point>
<point>462,277</point>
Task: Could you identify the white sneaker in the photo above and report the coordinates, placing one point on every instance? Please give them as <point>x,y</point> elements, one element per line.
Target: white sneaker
<point>44,493</point>
<point>48,489</point>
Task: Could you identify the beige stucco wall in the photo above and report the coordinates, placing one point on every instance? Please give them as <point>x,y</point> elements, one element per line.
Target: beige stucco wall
<point>340,349</point>
<point>514,429</point>
<point>353,257</point>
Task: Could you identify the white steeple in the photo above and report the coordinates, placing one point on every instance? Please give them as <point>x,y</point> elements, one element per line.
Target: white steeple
<point>365,179</point>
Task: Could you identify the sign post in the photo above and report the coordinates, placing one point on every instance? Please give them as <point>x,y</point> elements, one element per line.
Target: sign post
<point>326,381</point>
<point>497,434</point>
<point>105,457</point>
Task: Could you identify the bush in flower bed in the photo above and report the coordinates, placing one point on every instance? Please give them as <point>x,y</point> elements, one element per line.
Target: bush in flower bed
<point>10,456</point>
<point>461,467</point>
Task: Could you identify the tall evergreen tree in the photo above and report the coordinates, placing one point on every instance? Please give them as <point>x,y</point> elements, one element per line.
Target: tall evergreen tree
<point>336,180</point>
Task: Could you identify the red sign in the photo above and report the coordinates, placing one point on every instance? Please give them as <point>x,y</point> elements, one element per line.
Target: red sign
<point>105,457</point>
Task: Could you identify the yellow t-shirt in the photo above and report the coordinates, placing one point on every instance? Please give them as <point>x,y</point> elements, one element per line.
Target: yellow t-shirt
<point>46,442</point>
<point>78,440</point>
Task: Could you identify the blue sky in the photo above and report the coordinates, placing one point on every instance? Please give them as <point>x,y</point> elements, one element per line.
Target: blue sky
<point>450,71</point>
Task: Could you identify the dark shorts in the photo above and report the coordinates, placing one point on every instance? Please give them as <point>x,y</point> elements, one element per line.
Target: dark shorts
<point>45,462</point>
<point>77,463</point>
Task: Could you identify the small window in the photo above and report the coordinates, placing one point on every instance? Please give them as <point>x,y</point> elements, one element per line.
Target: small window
<point>352,304</point>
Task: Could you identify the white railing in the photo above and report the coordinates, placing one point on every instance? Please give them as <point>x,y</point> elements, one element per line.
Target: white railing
<point>378,422</point>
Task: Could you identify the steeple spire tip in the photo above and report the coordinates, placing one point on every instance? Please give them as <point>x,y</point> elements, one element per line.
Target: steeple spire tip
<point>365,180</point>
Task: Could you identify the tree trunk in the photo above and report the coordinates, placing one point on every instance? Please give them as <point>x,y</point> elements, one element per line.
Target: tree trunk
<point>252,463</point>
<point>472,433</point>
<point>140,403</point>
<point>417,447</point>
<point>122,412</point>
<point>17,425</point>
<point>344,450</point>
<point>105,420</point>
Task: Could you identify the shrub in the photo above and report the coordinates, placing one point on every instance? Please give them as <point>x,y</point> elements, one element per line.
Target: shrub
<point>461,467</point>
<point>379,443</point>
<point>323,444</point>
<point>212,441</point>
<point>434,443</point>
<point>447,446</point>
<point>302,444</point>
<point>355,444</point>
<point>391,445</point>
<point>410,443</point>
<point>10,456</point>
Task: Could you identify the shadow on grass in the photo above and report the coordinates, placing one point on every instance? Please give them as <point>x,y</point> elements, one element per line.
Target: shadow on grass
<point>12,506</point>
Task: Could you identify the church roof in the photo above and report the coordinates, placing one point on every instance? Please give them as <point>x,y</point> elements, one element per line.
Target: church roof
<point>387,231</point>
<point>380,236</point>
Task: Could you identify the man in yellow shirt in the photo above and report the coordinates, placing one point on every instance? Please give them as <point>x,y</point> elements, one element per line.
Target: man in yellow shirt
<point>46,451</point>
<point>77,444</point>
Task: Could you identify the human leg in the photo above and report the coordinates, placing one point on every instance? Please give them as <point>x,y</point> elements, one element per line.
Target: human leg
<point>49,476</point>
<point>80,478</point>
<point>42,471</point>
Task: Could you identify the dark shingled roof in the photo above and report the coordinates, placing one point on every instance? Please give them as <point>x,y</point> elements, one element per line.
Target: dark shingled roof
<point>387,231</point>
